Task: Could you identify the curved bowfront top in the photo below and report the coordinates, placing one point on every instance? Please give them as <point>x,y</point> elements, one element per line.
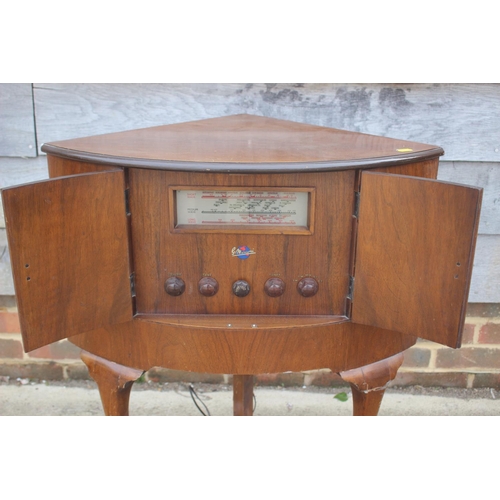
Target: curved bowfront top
<point>242,143</point>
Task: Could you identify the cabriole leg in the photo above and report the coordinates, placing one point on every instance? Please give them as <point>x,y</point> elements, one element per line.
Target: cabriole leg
<point>114,382</point>
<point>368,384</point>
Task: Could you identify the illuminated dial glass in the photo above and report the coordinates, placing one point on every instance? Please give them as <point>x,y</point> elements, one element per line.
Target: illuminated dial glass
<point>265,208</point>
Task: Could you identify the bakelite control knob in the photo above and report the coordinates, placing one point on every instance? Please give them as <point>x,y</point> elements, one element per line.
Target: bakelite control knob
<point>241,288</point>
<point>208,286</point>
<point>274,287</point>
<point>174,286</point>
<point>307,287</point>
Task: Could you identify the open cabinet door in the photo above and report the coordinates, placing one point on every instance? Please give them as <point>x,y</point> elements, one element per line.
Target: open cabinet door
<point>414,255</point>
<point>68,244</point>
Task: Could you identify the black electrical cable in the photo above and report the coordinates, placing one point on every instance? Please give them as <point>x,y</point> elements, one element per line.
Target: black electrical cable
<point>193,395</point>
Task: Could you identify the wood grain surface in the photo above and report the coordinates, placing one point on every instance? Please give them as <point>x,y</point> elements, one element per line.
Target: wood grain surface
<point>246,143</point>
<point>427,169</point>
<point>114,382</point>
<point>368,384</point>
<point>61,167</point>
<point>143,344</point>
<point>414,255</point>
<point>69,244</point>
<point>160,253</point>
<point>241,322</point>
<point>243,395</point>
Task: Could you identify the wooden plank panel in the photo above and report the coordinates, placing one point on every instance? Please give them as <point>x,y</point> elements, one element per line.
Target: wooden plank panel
<point>15,171</point>
<point>414,255</point>
<point>485,285</point>
<point>17,125</point>
<point>461,118</point>
<point>485,175</point>
<point>69,249</point>
<point>6,282</point>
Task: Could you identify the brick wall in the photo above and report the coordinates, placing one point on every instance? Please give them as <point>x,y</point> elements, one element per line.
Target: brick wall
<point>476,364</point>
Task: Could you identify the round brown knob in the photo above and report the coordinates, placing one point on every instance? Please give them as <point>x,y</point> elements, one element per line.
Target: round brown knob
<point>307,287</point>
<point>208,286</point>
<point>274,287</point>
<point>241,288</point>
<point>174,286</point>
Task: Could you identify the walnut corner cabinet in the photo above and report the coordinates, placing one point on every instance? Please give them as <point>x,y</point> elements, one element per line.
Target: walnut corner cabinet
<point>241,245</point>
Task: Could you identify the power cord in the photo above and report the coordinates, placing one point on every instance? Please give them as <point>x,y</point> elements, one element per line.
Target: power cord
<point>193,396</point>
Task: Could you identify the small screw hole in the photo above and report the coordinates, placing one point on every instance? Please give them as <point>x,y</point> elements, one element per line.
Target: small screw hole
<point>28,278</point>
<point>26,265</point>
<point>458,264</point>
<point>456,276</point>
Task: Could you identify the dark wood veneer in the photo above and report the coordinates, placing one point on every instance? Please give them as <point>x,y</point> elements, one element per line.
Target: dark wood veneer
<point>242,143</point>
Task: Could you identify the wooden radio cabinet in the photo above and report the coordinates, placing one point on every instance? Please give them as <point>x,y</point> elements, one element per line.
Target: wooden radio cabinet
<point>241,245</point>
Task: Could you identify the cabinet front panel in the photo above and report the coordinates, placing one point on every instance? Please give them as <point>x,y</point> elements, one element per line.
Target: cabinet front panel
<point>242,268</point>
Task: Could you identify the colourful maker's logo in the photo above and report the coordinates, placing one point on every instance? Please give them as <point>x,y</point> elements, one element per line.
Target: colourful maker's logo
<point>242,252</point>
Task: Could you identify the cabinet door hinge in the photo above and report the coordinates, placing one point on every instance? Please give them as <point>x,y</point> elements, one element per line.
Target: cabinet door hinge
<point>348,299</point>
<point>127,201</point>
<point>356,204</point>
<point>132,284</point>
<point>351,288</point>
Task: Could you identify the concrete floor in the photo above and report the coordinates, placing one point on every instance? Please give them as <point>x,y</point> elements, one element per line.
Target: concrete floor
<point>54,399</point>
